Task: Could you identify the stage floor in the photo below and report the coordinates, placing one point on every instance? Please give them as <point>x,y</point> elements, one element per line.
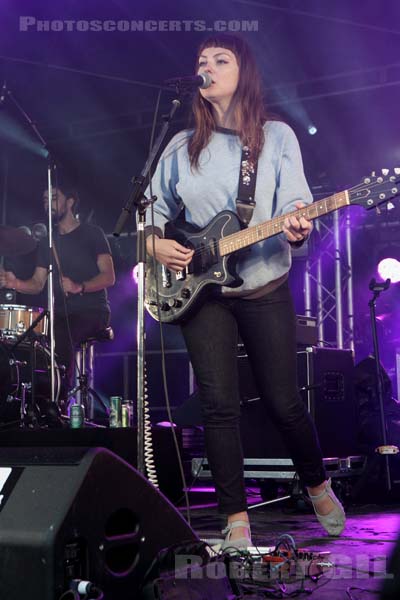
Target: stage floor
<point>360,555</point>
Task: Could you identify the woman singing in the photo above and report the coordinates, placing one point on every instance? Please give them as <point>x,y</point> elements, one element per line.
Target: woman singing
<point>198,173</point>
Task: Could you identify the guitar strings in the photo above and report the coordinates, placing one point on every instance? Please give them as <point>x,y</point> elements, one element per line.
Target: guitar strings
<point>199,252</point>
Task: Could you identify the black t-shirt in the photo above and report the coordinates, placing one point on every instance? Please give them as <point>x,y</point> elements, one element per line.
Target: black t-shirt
<point>77,252</point>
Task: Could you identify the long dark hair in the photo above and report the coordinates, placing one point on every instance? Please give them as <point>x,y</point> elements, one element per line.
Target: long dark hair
<point>247,103</point>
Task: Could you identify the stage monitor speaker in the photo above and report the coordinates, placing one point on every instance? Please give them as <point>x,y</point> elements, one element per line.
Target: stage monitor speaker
<point>391,583</point>
<point>78,513</point>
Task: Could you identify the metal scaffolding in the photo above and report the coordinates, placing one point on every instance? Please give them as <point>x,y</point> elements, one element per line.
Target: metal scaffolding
<point>328,284</point>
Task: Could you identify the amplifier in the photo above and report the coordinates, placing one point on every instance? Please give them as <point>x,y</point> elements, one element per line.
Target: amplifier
<point>325,379</point>
<point>306,330</point>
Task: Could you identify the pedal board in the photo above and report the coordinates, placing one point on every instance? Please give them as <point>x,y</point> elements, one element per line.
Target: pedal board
<point>280,566</point>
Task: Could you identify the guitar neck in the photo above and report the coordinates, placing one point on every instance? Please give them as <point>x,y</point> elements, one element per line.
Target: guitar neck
<point>263,231</point>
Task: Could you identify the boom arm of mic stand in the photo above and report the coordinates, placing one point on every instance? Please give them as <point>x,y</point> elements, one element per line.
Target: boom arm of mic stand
<point>138,200</point>
<point>136,197</point>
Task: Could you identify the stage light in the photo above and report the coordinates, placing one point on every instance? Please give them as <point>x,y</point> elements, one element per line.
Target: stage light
<point>312,130</point>
<point>389,268</point>
<point>14,132</point>
<point>135,275</point>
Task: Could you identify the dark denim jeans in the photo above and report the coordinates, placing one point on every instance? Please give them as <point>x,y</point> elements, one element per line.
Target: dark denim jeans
<point>267,328</point>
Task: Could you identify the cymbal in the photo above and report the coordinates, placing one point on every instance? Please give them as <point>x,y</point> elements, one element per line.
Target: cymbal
<point>15,242</point>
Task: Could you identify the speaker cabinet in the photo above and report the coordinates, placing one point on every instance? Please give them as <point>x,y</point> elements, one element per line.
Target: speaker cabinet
<point>78,513</point>
<point>325,380</point>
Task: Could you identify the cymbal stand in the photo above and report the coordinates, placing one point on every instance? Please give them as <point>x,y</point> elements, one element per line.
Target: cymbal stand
<point>44,151</point>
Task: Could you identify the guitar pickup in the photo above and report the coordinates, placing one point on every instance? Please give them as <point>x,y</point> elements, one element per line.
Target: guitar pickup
<point>165,277</point>
<point>212,247</point>
<point>208,255</point>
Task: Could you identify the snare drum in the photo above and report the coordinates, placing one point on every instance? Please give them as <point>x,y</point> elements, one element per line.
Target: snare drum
<point>15,320</point>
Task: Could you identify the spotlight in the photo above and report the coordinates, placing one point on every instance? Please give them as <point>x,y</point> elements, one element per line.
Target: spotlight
<point>312,130</point>
<point>389,268</point>
<point>135,274</point>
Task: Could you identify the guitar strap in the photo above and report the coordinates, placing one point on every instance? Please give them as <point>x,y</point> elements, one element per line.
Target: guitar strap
<point>245,202</point>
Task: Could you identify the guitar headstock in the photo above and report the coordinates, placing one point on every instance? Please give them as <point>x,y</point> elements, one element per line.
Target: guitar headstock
<point>376,189</point>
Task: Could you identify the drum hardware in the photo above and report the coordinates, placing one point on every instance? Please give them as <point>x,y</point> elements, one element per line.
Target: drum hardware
<point>26,379</point>
<point>31,329</point>
<point>87,396</point>
<point>22,411</point>
<point>28,417</point>
<point>18,363</point>
<point>84,361</point>
<point>16,319</point>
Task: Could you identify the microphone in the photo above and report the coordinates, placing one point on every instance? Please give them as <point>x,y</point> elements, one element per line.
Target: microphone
<point>3,93</point>
<point>202,80</point>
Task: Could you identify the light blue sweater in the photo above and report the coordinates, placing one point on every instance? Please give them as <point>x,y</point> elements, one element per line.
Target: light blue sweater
<point>213,188</point>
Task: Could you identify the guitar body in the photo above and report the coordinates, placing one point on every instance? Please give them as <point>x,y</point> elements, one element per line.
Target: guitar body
<point>179,294</point>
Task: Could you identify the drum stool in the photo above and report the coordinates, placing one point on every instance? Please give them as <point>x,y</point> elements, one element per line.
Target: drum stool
<point>84,372</point>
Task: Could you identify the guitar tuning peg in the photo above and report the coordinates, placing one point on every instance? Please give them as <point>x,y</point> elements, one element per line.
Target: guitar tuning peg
<point>397,170</point>
<point>372,173</point>
<point>390,206</point>
<point>385,171</point>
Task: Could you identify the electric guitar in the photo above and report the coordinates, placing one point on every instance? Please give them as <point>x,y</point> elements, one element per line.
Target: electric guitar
<point>172,296</point>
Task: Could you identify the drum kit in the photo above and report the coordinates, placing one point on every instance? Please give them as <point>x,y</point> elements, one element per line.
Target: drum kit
<point>25,385</point>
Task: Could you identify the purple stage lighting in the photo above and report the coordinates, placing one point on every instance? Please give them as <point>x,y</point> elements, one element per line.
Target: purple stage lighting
<point>135,274</point>
<point>389,268</point>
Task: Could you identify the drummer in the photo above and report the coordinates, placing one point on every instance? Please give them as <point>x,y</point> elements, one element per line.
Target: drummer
<point>83,270</point>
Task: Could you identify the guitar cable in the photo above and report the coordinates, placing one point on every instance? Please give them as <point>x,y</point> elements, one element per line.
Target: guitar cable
<point>162,344</point>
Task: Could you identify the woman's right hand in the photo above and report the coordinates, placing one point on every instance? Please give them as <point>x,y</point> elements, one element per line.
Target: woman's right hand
<point>169,253</point>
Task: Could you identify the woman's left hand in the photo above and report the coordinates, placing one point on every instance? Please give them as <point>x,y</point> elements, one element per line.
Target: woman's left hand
<point>297,230</point>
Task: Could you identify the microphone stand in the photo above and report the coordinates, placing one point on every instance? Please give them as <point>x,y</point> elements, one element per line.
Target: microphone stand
<point>50,165</point>
<point>137,199</point>
<point>377,288</point>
